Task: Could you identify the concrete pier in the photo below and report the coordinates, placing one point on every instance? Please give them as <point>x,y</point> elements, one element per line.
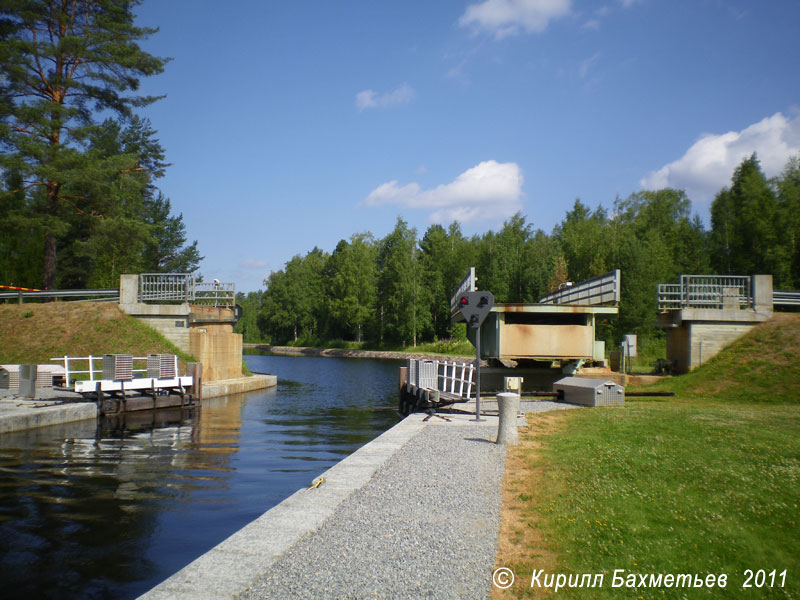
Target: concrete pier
<point>18,413</point>
<point>53,407</point>
<point>238,385</point>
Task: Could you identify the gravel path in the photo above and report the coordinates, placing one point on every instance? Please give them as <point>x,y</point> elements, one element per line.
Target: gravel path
<point>424,526</point>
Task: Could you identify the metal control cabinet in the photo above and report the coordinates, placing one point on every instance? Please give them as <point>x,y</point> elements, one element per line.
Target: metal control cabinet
<point>423,373</point>
<point>118,367</point>
<point>590,392</point>
<point>46,376</point>
<point>161,366</point>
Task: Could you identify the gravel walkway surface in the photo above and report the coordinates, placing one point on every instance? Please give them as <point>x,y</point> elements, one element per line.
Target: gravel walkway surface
<point>424,526</point>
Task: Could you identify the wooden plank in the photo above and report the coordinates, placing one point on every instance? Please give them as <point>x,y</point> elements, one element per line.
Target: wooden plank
<point>139,403</point>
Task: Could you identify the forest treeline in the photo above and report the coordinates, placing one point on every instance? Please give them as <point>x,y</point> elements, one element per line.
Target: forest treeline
<point>396,291</point>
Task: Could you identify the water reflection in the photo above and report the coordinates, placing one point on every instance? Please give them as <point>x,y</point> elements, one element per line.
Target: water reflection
<point>109,510</point>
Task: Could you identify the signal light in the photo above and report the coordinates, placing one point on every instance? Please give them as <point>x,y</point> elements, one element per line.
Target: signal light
<point>475,306</point>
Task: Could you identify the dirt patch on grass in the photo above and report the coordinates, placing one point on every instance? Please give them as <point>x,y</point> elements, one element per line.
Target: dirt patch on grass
<point>522,546</point>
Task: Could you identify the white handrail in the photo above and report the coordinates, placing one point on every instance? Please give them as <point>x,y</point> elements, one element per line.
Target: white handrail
<point>92,371</point>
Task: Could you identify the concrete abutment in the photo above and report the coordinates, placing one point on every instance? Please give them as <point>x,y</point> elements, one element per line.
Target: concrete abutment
<point>205,332</point>
<point>695,335</point>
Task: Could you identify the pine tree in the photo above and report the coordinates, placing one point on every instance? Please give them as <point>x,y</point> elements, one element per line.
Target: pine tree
<point>788,226</point>
<point>744,238</point>
<point>64,63</point>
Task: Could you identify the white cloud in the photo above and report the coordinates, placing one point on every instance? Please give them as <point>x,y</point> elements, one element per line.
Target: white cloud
<point>509,17</point>
<point>587,65</point>
<point>489,190</point>
<point>708,165</point>
<point>592,25</point>
<point>253,264</point>
<point>371,99</point>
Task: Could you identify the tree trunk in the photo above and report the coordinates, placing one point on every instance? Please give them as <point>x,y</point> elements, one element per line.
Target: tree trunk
<point>50,241</point>
<point>49,279</point>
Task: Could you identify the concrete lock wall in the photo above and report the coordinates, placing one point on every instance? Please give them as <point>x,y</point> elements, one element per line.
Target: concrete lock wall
<point>213,342</point>
<point>173,327</point>
<point>220,353</point>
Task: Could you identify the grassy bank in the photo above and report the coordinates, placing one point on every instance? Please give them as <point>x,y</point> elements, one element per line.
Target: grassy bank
<point>708,482</point>
<point>35,333</point>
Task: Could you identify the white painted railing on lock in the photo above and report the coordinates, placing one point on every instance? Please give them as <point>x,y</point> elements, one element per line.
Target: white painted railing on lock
<point>451,377</point>
<point>71,362</point>
<point>457,378</point>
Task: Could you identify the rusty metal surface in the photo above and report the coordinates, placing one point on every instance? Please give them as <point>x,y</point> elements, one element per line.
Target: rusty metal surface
<point>546,341</point>
<point>554,309</point>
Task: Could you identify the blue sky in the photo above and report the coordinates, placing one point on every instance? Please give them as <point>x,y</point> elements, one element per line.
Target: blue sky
<point>296,124</point>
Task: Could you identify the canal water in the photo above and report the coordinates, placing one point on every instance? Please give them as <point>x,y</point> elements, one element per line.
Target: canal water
<point>110,510</point>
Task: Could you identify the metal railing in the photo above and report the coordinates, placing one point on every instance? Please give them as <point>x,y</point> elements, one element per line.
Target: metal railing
<point>100,295</point>
<point>602,289</point>
<point>153,287</point>
<point>214,294</point>
<point>785,298</point>
<point>706,291</point>
<point>182,287</point>
<point>165,287</point>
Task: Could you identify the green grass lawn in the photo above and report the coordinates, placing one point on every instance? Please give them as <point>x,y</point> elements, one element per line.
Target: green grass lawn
<point>705,483</point>
<point>35,333</point>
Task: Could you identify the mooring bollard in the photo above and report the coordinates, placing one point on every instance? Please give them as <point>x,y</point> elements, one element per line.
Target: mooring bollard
<point>27,380</point>
<point>508,403</point>
<point>196,371</point>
